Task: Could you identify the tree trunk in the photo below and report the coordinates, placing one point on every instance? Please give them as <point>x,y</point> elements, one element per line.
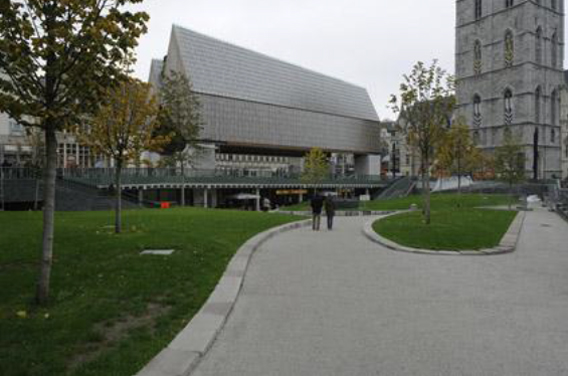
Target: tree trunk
<point>42,293</point>
<point>510,194</point>
<point>459,176</point>
<point>118,208</point>
<point>36,198</point>
<point>426,185</point>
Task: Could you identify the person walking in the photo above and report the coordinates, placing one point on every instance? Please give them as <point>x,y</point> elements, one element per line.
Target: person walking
<point>317,205</point>
<point>329,211</point>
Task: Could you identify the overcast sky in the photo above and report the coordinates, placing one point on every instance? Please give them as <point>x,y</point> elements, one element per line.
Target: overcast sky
<point>371,43</point>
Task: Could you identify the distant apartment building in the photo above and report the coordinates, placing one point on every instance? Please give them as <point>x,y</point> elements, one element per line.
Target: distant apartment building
<point>14,147</point>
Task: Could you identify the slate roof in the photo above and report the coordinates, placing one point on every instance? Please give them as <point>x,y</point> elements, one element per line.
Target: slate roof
<point>219,68</point>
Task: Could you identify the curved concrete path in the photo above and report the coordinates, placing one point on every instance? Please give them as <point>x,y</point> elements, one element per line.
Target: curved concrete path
<point>335,303</point>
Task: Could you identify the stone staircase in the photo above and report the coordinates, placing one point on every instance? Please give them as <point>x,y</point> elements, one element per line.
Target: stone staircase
<point>69,196</point>
<point>400,188</point>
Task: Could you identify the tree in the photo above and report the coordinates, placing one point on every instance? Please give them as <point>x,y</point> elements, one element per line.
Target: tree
<point>35,140</point>
<point>180,118</point>
<point>316,167</point>
<point>457,153</point>
<point>122,129</point>
<point>510,161</point>
<point>57,58</point>
<point>425,104</point>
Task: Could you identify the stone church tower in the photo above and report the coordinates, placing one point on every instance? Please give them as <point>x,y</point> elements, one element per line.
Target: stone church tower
<point>509,73</point>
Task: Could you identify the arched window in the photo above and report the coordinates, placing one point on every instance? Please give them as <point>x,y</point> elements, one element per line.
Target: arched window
<point>478,9</point>
<point>476,111</point>
<point>538,45</point>
<point>509,3</point>
<point>554,49</point>
<point>553,4</point>
<point>553,136</point>
<point>509,51</point>
<point>553,107</point>
<point>537,104</point>
<point>508,106</point>
<point>477,57</point>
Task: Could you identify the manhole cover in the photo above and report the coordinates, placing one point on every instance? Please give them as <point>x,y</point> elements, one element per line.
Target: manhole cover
<point>158,252</point>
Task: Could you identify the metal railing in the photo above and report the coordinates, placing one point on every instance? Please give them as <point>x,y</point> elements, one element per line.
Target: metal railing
<point>147,176</point>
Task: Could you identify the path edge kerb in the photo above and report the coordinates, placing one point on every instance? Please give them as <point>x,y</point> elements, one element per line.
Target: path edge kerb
<point>508,243</point>
<point>184,353</point>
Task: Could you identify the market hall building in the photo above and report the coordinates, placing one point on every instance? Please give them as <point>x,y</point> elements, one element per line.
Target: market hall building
<point>262,115</point>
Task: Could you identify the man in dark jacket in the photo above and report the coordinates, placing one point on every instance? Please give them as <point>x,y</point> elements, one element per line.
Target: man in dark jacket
<point>317,205</point>
<point>329,211</point>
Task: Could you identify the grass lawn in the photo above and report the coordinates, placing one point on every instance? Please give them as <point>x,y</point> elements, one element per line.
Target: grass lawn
<point>451,229</point>
<point>112,310</point>
<point>439,201</point>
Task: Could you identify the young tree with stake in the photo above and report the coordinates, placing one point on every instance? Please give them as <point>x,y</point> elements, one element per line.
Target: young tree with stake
<point>425,103</point>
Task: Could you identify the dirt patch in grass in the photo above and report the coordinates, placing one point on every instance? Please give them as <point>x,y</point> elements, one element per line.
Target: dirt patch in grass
<point>106,335</point>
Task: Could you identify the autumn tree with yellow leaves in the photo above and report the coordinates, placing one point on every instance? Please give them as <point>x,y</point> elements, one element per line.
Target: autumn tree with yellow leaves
<point>316,167</point>
<point>457,154</point>
<point>122,129</point>
<point>425,103</point>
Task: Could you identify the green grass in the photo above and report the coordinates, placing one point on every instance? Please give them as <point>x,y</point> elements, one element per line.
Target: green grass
<point>112,310</point>
<point>439,201</point>
<point>451,229</point>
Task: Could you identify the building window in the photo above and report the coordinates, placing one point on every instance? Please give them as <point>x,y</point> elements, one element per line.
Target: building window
<point>477,58</point>
<point>477,111</point>
<point>554,49</point>
<point>508,106</point>
<point>537,100</point>
<point>478,9</point>
<point>509,51</point>
<point>16,129</point>
<point>553,4</point>
<point>553,107</point>
<point>553,136</point>
<point>538,45</point>
<point>509,3</point>
<point>476,137</point>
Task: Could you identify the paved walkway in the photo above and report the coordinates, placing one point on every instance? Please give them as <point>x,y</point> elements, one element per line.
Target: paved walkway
<point>334,303</point>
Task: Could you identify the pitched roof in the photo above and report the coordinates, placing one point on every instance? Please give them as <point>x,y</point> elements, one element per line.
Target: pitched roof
<point>219,68</point>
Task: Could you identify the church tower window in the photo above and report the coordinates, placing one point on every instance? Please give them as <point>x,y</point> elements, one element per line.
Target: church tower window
<point>509,49</point>
<point>553,4</point>
<point>538,45</point>
<point>537,101</point>
<point>477,58</point>
<point>509,3</point>
<point>553,107</point>
<point>477,111</point>
<point>508,108</point>
<point>478,9</point>
<point>554,49</point>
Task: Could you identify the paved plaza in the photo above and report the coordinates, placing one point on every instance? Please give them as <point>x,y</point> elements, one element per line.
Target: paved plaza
<point>334,303</point>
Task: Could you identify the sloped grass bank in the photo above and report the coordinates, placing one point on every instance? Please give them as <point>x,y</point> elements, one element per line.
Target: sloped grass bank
<point>438,201</point>
<point>112,309</point>
<point>451,229</point>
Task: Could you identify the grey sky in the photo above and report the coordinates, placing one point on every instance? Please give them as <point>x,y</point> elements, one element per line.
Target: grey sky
<point>371,43</point>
